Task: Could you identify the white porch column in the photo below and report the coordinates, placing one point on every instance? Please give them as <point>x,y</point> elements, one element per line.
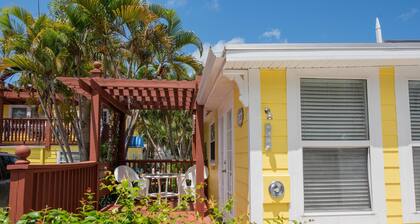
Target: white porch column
<point>255,143</point>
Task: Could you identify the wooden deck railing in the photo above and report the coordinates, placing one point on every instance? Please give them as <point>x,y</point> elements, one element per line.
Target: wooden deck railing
<point>29,131</point>
<point>160,166</point>
<point>34,187</point>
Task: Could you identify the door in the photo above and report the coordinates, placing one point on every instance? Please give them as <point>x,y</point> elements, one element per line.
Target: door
<point>226,143</point>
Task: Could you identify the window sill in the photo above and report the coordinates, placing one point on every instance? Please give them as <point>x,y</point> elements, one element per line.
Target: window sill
<point>318,214</point>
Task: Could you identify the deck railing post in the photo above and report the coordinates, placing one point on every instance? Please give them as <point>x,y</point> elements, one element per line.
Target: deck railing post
<point>48,134</point>
<point>122,153</point>
<point>1,110</point>
<point>199,159</point>
<point>95,117</point>
<point>20,197</point>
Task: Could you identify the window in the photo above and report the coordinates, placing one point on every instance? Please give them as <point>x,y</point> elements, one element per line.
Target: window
<point>19,112</point>
<point>212,144</point>
<point>407,92</point>
<point>335,178</point>
<point>75,155</point>
<point>414,102</point>
<point>334,109</point>
<point>24,111</point>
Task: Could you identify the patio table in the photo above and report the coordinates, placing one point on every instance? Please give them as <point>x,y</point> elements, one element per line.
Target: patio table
<point>159,177</point>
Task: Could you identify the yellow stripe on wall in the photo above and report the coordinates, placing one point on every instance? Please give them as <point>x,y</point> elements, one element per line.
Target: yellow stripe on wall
<point>390,145</point>
<point>275,160</point>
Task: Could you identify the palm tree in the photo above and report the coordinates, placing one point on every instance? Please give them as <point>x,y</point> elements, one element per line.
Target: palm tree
<point>173,63</point>
<point>36,48</point>
<point>132,39</point>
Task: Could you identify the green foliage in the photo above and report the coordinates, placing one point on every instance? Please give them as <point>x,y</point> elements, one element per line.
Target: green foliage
<point>4,219</point>
<point>132,39</point>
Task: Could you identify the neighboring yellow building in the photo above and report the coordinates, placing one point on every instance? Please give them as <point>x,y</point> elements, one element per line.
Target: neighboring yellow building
<point>22,125</point>
<point>326,133</point>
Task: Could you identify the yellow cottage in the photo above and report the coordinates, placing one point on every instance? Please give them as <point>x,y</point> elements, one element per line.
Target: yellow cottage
<point>326,133</point>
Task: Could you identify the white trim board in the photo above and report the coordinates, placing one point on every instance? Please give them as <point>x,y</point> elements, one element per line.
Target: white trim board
<point>295,144</point>
<point>222,109</point>
<point>254,146</point>
<point>402,75</point>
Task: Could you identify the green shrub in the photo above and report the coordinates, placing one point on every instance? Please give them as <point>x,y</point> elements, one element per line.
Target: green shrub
<point>4,216</point>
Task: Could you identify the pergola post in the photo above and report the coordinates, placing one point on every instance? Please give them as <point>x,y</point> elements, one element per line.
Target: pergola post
<point>95,126</point>
<point>199,158</point>
<point>122,154</point>
<point>1,110</point>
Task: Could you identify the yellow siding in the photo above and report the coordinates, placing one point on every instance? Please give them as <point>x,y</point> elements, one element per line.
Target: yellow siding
<point>213,184</point>
<point>134,153</point>
<point>40,155</point>
<point>241,202</point>
<point>6,111</point>
<point>390,145</point>
<point>275,160</point>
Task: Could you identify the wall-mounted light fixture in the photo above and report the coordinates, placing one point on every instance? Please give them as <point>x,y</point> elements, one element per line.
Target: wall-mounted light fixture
<point>276,189</point>
<point>268,114</point>
<point>268,144</point>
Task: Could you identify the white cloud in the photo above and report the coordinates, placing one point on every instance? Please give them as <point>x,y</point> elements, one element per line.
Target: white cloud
<point>176,3</point>
<point>217,48</point>
<point>408,15</point>
<point>214,5</point>
<point>272,34</point>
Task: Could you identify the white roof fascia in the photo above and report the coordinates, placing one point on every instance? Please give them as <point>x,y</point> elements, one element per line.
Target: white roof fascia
<point>210,75</point>
<point>266,55</point>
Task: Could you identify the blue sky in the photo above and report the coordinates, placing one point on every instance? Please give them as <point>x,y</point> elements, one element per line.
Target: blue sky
<point>221,21</point>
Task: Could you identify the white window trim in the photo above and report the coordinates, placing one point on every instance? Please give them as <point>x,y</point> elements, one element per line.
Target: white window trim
<point>59,152</point>
<point>224,108</point>
<point>405,144</point>
<point>212,123</point>
<point>376,181</point>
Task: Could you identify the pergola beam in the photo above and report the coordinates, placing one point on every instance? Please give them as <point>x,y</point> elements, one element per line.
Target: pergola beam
<point>170,84</point>
<point>107,97</point>
<point>144,94</point>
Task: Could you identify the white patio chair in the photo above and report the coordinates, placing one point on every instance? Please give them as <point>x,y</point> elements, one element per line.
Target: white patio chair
<point>127,173</point>
<point>183,188</point>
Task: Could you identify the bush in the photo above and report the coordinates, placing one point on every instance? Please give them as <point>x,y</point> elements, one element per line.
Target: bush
<point>4,216</point>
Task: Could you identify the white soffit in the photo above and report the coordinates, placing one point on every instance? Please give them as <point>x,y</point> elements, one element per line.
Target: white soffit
<point>244,56</point>
<point>210,75</point>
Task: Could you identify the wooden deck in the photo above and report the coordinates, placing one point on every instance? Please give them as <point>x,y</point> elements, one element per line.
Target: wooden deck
<point>187,216</point>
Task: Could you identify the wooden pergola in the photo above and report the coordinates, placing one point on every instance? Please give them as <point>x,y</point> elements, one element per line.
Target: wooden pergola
<point>124,95</point>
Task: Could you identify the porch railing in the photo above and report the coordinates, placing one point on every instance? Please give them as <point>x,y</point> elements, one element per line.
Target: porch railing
<point>29,131</point>
<point>161,166</point>
<point>34,187</point>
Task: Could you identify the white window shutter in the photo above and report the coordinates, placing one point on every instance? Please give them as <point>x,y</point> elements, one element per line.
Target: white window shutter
<point>336,180</point>
<point>416,162</point>
<point>414,96</point>
<point>334,109</point>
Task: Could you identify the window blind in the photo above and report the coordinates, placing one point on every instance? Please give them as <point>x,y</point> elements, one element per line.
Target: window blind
<point>336,179</point>
<point>414,97</point>
<point>416,164</point>
<point>334,109</point>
